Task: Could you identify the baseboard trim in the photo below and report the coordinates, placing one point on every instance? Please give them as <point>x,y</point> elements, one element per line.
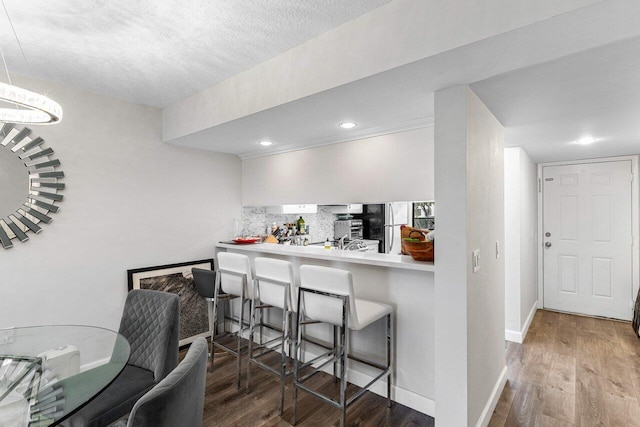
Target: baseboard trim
<point>405,397</point>
<point>485,417</point>
<point>513,336</point>
<point>519,336</point>
<point>532,313</point>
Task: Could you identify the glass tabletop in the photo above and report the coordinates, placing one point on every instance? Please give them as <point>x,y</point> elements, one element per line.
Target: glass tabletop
<point>47,372</point>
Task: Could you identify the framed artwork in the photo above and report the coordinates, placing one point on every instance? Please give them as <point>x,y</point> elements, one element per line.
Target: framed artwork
<point>177,279</point>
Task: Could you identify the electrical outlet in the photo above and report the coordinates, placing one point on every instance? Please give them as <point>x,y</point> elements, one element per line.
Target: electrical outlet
<point>7,336</point>
<point>475,260</point>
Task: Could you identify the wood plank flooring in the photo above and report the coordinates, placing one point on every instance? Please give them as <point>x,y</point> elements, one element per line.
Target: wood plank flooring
<point>572,371</point>
<point>225,405</point>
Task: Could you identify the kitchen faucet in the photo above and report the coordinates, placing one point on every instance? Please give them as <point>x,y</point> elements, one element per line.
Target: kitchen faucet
<point>341,241</point>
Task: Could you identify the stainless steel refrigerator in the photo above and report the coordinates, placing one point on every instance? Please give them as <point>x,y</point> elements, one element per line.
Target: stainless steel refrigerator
<point>382,222</point>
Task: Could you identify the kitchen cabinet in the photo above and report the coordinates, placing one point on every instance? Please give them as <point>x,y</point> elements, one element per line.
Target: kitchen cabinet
<point>353,208</point>
<point>292,209</point>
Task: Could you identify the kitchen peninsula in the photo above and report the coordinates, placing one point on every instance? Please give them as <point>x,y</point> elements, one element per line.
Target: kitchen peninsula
<point>397,280</point>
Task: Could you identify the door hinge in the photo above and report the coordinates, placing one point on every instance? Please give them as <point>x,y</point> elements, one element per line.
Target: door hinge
<point>631,176</point>
<point>539,185</point>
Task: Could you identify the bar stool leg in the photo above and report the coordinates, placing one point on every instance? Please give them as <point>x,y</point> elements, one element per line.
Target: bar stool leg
<point>212,326</point>
<point>292,322</point>
<point>389,357</point>
<point>297,355</point>
<point>261,327</point>
<point>343,371</point>
<point>238,358</point>
<point>252,325</point>
<point>286,337</point>
<point>335,359</point>
<point>214,319</point>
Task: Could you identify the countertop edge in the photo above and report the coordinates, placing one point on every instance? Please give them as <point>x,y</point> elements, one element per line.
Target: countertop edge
<point>367,258</point>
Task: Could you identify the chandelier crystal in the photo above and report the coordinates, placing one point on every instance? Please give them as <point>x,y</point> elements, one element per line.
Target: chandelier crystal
<point>26,107</point>
<point>36,108</point>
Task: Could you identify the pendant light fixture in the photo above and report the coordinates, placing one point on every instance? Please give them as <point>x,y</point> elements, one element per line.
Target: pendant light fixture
<point>28,107</point>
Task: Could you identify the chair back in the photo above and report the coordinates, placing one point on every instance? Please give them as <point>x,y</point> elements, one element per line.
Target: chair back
<point>150,322</point>
<point>275,282</point>
<point>205,281</point>
<point>235,272</point>
<point>326,308</point>
<point>177,400</point>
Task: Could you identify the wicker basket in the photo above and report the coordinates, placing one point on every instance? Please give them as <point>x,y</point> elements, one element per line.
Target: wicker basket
<point>420,251</point>
<point>406,231</point>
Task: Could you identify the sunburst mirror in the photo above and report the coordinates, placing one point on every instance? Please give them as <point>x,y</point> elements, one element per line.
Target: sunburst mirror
<point>30,184</point>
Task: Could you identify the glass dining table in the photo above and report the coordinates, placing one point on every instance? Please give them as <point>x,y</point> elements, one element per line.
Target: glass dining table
<point>47,372</point>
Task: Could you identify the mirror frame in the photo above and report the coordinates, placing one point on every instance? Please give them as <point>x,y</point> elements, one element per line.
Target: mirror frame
<point>44,184</point>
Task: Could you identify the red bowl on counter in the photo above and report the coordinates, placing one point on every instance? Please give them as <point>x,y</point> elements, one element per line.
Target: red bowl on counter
<point>246,240</point>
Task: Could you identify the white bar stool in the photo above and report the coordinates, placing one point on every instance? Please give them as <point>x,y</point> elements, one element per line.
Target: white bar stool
<point>326,295</point>
<point>274,288</point>
<point>234,279</point>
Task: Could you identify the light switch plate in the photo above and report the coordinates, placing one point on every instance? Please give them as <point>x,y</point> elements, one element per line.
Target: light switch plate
<point>475,260</point>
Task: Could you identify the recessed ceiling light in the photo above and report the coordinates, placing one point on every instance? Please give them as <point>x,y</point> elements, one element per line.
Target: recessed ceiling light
<point>265,143</point>
<point>348,125</point>
<point>586,140</point>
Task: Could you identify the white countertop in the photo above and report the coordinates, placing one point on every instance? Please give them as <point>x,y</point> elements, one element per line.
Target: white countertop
<point>319,252</point>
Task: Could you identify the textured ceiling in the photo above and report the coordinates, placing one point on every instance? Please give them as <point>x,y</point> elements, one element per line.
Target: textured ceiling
<point>549,83</point>
<point>161,51</point>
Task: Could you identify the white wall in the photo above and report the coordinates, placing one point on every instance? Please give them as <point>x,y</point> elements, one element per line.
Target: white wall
<point>521,195</point>
<point>528,240</point>
<point>392,167</point>
<point>131,201</point>
<point>470,364</point>
<point>521,201</point>
<point>512,243</point>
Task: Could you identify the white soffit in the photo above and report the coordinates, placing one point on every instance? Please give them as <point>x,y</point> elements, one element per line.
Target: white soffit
<point>393,35</point>
<point>402,98</point>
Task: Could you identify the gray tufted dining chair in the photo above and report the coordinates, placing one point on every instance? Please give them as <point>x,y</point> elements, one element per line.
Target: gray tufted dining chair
<point>177,400</point>
<point>150,322</point>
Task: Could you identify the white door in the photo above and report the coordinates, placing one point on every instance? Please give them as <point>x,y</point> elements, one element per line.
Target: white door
<point>587,238</point>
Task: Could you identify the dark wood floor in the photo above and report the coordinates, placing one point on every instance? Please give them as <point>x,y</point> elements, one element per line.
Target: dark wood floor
<point>225,405</point>
<point>572,370</point>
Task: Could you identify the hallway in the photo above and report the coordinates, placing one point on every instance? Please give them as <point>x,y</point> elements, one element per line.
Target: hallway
<point>572,370</point>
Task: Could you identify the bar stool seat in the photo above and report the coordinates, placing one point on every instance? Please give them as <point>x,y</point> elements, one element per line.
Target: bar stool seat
<point>326,295</point>
<point>369,312</point>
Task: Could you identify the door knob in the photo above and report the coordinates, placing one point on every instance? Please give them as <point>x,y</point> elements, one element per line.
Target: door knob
<point>547,244</point>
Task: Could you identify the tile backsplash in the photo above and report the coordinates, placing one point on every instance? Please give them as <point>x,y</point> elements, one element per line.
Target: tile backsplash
<point>255,221</point>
